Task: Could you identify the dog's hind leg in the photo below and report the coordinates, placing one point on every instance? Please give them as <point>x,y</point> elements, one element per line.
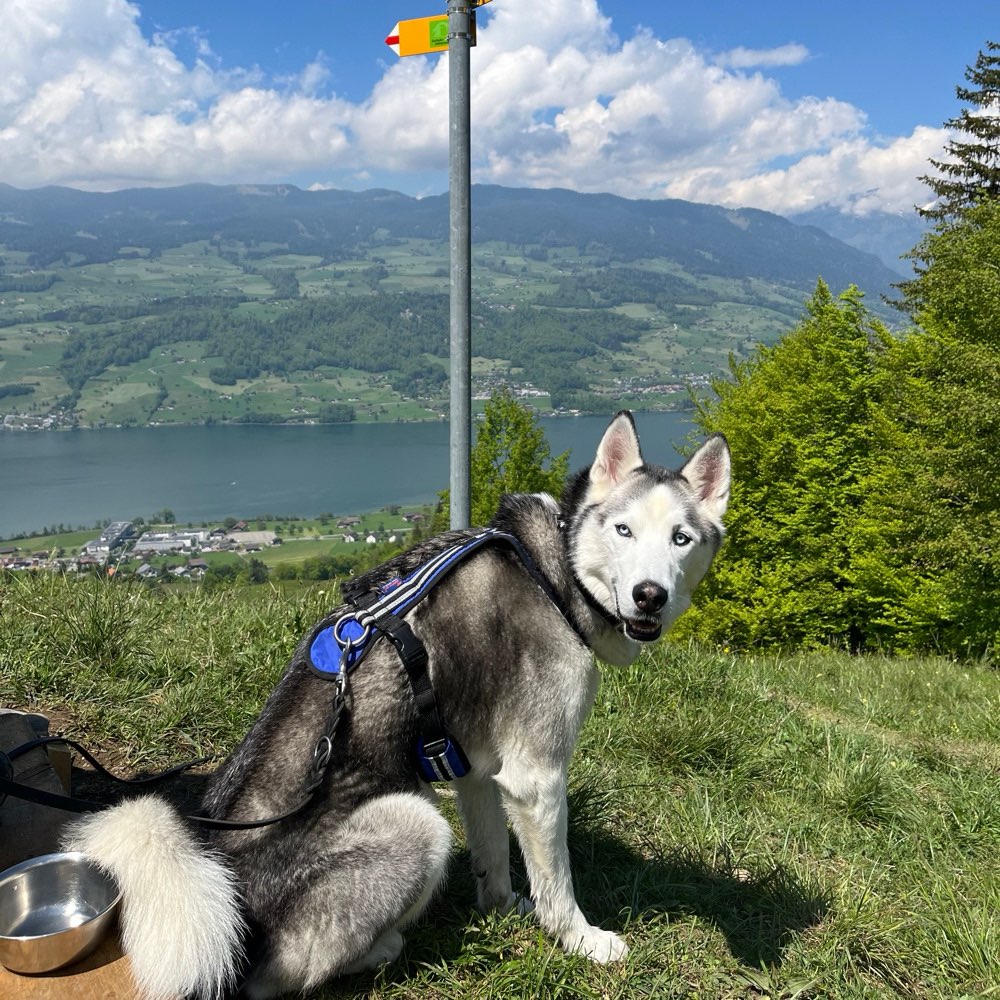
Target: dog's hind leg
<point>349,890</point>
<point>489,846</point>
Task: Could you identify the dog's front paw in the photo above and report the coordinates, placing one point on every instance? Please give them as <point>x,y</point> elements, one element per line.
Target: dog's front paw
<point>599,945</point>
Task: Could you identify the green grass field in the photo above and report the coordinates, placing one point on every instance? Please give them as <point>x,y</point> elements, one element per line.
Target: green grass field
<point>806,825</point>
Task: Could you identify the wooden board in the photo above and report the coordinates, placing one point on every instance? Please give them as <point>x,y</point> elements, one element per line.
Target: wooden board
<point>104,975</point>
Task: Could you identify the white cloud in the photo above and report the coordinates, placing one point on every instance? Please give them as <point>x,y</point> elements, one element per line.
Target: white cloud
<point>87,99</point>
<point>791,54</point>
<point>852,175</point>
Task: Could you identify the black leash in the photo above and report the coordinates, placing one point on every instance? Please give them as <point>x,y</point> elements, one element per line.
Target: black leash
<point>39,796</point>
<point>68,803</point>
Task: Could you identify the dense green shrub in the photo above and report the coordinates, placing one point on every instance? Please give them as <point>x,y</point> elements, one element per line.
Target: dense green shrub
<point>800,419</point>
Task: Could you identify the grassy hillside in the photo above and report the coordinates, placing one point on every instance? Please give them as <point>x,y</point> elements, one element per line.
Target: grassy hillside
<point>805,826</point>
<point>271,304</point>
<point>137,341</point>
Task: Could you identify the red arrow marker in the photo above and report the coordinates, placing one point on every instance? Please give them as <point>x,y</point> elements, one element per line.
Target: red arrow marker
<point>392,39</point>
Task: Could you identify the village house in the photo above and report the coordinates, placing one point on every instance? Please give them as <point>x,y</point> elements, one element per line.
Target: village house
<point>170,541</point>
<point>113,537</point>
<point>253,541</point>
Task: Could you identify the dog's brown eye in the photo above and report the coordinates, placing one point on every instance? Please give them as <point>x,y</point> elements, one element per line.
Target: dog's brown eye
<point>623,530</point>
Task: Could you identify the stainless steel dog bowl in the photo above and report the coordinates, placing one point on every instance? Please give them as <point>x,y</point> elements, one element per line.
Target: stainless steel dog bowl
<point>54,910</point>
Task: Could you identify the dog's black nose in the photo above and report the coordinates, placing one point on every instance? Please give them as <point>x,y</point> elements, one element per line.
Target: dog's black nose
<point>649,597</point>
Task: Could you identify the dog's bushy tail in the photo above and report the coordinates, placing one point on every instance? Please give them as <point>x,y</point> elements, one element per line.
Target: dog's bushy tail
<point>181,922</point>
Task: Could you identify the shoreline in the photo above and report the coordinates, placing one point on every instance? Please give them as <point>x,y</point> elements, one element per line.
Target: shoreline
<point>156,425</point>
<point>205,473</point>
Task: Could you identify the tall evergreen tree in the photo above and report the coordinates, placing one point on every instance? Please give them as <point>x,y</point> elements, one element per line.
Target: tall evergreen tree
<point>936,557</point>
<point>972,172</point>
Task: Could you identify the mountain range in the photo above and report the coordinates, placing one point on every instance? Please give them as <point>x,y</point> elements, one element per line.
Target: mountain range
<point>56,225</point>
<point>889,236</point>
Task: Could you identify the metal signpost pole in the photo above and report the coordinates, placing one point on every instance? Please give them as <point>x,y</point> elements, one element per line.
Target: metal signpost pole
<point>455,34</point>
<point>460,246</point>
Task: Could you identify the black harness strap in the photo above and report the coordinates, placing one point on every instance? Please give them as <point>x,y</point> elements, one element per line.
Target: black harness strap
<point>595,605</point>
<point>439,757</point>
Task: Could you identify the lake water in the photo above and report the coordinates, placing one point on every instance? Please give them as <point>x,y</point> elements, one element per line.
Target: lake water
<point>208,473</point>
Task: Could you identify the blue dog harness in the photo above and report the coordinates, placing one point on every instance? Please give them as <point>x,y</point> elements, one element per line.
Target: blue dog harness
<point>335,650</point>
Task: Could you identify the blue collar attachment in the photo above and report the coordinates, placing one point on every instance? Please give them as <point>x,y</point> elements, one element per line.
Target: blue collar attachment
<point>342,643</point>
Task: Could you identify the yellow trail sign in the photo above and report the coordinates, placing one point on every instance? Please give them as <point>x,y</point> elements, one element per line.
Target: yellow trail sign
<point>421,35</point>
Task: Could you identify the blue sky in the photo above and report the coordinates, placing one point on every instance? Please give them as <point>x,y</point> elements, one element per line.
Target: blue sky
<point>774,104</point>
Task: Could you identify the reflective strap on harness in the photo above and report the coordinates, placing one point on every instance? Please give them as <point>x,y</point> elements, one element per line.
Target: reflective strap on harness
<point>397,597</point>
<point>442,760</point>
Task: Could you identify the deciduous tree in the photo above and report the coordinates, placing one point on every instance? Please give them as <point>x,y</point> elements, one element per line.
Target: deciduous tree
<point>510,455</point>
<point>799,419</point>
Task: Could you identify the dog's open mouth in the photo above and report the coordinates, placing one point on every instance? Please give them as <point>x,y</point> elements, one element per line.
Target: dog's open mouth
<point>643,629</point>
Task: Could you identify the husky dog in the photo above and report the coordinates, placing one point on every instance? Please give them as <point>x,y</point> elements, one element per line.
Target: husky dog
<point>327,891</point>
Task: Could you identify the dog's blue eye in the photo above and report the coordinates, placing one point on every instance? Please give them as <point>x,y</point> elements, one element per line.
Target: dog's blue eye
<point>623,530</point>
<point>682,538</point>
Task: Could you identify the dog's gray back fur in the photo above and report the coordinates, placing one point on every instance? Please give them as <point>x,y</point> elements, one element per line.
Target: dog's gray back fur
<point>464,627</point>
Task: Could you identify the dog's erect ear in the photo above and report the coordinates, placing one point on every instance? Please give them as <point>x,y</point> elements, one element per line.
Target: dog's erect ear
<point>617,455</point>
<point>708,471</point>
